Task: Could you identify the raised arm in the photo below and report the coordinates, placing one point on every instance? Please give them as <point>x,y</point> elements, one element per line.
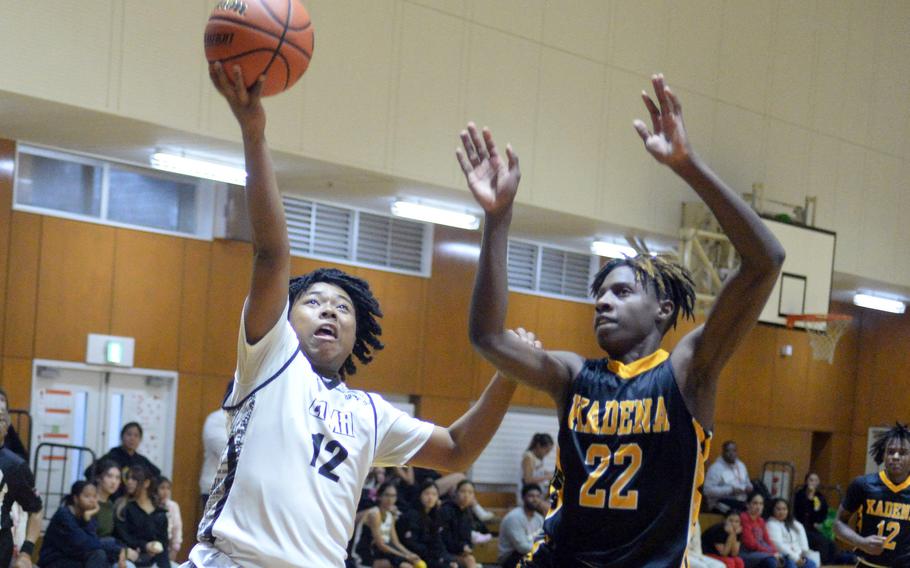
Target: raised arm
<point>494,182</point>
<point>271,249</point>
<point>700,356</point>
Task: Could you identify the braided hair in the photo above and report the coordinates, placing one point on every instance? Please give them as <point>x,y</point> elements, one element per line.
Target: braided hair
<point>899,432</point>
<point>669,280</point>
<point>366,310</point>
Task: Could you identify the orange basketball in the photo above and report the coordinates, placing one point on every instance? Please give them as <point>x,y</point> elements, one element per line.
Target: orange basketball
<point>264,37</point>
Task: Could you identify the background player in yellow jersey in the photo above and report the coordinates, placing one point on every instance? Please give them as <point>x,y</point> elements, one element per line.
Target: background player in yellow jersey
<point>881,502</point>
<point>633,426</point>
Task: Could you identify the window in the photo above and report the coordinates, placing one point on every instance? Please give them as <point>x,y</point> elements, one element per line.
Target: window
<point>352,236</point>
<point>549,271</point>
<point>91,189</point>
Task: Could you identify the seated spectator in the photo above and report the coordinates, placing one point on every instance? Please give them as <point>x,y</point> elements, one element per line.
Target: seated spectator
<point>447,483</point>
<point>126,455</point>
<point>810,507</point>
<point>214,440</point>
<point>71,539</point>
<point>107,482</point>
<point>532,470</point>
<point>519,526</point>
<point>757,548</point>
<point>12,442</point>
<point>18,485</point>
<point>727,482</point>
<point>723,541</point>
<point>380,546</point>
<point>174,520</point>
<point>457,524</point>
<point>694,552</point>
<point>421,530</point>
<point>140,522</point>
<point>789,536</point>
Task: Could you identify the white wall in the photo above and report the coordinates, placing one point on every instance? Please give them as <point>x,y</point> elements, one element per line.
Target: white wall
<point>806,96</point>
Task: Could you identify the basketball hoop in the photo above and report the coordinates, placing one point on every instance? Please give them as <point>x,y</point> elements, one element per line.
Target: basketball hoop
<point>824,332</point>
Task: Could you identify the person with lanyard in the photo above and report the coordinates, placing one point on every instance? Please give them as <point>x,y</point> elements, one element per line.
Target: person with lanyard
<point>727,483</point>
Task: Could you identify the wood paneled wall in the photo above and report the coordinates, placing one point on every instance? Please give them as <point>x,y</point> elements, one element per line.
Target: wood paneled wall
<point>181,300</point>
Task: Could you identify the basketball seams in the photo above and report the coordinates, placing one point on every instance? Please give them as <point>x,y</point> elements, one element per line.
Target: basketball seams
<point>287,24</point>
<point>284,34</point>
<point>272,35</point>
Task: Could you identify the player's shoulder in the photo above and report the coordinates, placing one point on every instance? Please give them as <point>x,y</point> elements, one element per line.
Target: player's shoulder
<point>866,482</point>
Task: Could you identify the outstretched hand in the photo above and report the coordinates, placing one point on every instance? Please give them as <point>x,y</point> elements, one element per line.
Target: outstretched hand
<point>492,181</point>
<point>246,104</point>
<point>528,337</point>
<point>668,142</point>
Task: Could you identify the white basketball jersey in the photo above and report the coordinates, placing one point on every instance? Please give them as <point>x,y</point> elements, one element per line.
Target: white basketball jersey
<point>299,450</point>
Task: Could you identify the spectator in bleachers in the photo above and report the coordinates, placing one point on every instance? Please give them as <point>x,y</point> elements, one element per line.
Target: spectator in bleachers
<point>140,522</point>
<point>757,548</point>
<point>107,481</point>
<point>71,539</point>
<point>696,556</point>
<point>810,507</point>
<point>723,541</point>
<point>727,483</point>
<point>380,545</point>
<point>447,483</point>
<point>519,526</point>
<point>12,441</point>
<point>214,439</point>
<point>17,485</point>
<point>789,536</point>
<point>421,529</point>
<point>532,470</point>
<point>457,524</point>
<point>127,457</point>
<point>174,519</point>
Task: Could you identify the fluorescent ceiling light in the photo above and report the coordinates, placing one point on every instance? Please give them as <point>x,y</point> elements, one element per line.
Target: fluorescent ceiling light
<point>198,168</point>
<point>879,303</point>
<point>429,214</point>
<point>612,250</point>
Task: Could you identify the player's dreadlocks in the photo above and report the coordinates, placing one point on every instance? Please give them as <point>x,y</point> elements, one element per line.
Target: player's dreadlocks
<point>366,310</point>
<point>669,280</point>
<point>899,432</point>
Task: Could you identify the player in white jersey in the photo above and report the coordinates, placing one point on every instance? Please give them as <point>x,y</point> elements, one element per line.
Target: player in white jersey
<point>301,442</point>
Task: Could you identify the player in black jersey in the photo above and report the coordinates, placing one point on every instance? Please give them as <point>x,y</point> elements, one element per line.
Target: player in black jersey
<point>881,502</point>
<point>634,427</point>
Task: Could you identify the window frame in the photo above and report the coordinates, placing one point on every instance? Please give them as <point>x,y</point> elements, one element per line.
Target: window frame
<point>204,193</point>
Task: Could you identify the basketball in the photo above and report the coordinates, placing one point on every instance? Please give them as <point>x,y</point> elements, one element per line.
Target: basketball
<point>263,37</point>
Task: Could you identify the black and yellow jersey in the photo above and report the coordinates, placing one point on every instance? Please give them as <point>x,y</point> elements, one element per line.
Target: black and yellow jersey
<point>883,509</point>
<point>630,467</point>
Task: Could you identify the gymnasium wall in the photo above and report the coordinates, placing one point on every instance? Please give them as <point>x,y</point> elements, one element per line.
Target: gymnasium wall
<point>806,97</point>
<point>181,299</point>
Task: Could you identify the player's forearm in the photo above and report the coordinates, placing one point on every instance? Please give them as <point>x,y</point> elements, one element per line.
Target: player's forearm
<point>33,526</point>
<point>751,238</point>
<point>266,212</point>
<point>472,432</point>
<point>843,531</point>
<point>489,301</point>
